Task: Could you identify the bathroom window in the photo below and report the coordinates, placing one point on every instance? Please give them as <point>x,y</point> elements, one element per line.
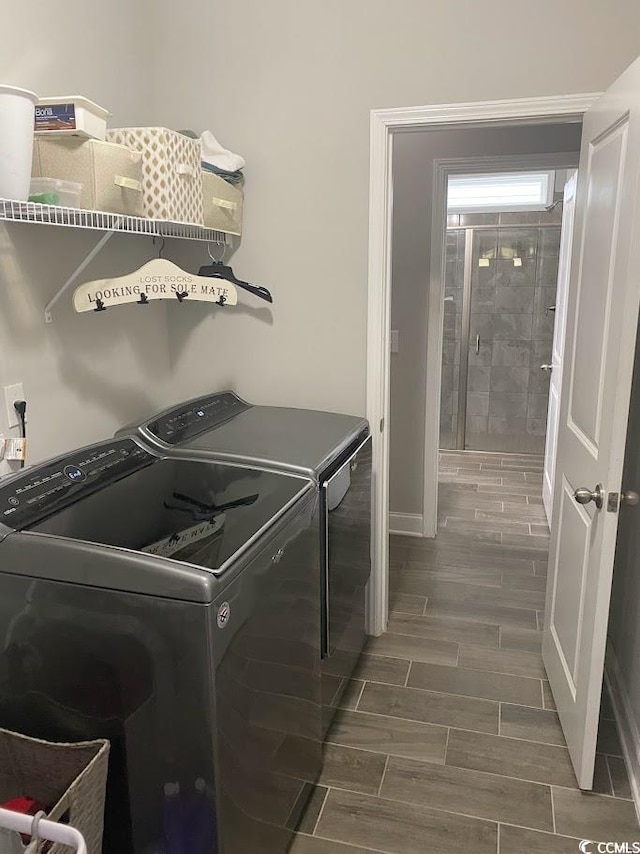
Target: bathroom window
<point>514,191</point>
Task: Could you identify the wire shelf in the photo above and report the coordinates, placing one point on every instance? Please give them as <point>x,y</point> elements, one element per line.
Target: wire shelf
<point>12,211</point>
<point>110,223</point>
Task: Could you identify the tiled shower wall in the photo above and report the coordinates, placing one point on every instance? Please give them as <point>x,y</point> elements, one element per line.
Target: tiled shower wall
<point>514,277</point>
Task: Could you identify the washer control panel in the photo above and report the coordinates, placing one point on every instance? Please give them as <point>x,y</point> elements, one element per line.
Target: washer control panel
<point>45,489</point>
<point>191,419</point>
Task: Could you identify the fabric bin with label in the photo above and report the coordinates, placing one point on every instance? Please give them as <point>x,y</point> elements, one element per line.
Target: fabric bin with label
<point>222,203</point>
<point>172,186</point>
<point>111,174</point>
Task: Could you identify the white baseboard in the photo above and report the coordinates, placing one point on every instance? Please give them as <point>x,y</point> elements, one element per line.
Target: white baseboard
<point>409,524</point>
<point>627,727</point>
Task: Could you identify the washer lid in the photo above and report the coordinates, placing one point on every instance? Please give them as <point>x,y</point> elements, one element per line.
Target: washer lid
<point>118,495</point>
<point>222,425</point>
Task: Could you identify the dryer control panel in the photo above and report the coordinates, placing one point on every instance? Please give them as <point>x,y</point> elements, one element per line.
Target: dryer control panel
<point>196,417</point>
<point>48,488</point>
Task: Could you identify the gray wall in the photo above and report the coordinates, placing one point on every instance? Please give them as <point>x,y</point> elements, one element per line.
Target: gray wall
<point>84,47</point>
<point>413,158</point>
<point>83,375</point>
<point>290,85</point>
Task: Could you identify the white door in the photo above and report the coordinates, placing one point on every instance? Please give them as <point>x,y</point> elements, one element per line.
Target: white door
<point>602,319</point>
<point>555,366</point>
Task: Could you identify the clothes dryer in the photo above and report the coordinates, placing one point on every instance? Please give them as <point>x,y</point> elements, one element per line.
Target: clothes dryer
<point>332,449</point>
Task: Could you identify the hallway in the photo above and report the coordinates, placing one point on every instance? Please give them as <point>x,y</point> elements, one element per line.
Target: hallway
<point>447,740</point>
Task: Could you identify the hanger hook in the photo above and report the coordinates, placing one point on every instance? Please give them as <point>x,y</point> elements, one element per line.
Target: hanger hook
<point>161,250</point>
<point>210,254</point>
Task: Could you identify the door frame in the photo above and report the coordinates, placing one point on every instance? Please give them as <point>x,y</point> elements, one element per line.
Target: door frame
<point>442,169</point>
<point>383,125</point>
<point>557,343</point>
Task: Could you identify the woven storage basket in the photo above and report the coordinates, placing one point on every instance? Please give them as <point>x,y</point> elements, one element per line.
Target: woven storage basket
<point>222,204</point>
<point>111,175</point>
<point>171,181</point>
<point>71,776</point>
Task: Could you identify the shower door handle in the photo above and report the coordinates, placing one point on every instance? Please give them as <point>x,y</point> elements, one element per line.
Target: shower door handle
<point>477,345</point>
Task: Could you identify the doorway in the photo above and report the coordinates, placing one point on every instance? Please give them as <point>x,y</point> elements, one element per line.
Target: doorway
<point>423,163</point>
<point>384,126</point>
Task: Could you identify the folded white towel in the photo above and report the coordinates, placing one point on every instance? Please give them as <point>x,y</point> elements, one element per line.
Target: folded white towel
<point>214,153</point>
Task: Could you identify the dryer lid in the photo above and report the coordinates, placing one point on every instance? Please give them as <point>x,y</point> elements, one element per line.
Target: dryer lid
<point>224,426</point>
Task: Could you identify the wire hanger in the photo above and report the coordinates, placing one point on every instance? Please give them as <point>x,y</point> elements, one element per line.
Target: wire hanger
<point>215,260</point>
<point>219,270</point>
<point>161,250</point>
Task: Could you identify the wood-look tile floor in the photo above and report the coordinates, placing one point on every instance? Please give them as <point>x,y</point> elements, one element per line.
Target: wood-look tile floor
<point>447,741</point>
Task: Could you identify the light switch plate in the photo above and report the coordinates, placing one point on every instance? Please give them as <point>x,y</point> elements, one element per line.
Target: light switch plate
<point>11,393</point>
<point>395,341</point>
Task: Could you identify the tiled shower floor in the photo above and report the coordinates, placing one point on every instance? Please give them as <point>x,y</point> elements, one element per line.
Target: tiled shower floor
<point>447,741</point>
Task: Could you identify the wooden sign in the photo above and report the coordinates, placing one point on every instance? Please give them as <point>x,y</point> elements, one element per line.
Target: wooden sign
<point>158,279</point>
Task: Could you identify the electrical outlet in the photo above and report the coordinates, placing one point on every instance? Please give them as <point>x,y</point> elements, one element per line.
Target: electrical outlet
<point>395,341</point>
<point>11,393</point>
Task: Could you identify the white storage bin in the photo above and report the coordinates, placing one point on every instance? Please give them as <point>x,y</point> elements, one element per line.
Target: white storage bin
<point>70,115</point>
<point>111,174</point>
<point>222,204</point>
<point>55,191</point>
<point>171,181</point>
<point>16,133</point>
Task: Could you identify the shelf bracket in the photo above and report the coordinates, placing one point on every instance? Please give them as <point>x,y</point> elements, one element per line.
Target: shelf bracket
<point>73,277</point>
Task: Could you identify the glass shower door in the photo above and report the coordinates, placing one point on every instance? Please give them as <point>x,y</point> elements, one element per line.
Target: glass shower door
<point>513,284</point>
<point>498,328</point>
<point>481,296</point>
<point>453,303</point>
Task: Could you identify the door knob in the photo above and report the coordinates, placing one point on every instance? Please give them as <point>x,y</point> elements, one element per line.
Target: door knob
<point>546,368</point>
<point>584,495</point>
<point>630,498</point>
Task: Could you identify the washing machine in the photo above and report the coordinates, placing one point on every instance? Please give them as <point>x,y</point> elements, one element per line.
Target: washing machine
<point>332,449</point>
<point>171,606</point>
